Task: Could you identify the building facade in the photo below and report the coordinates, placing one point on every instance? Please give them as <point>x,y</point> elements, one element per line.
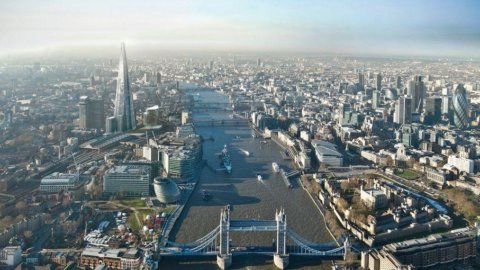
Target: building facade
<point>56,182</point>
<point>128,180</point>
<point>91,113</point>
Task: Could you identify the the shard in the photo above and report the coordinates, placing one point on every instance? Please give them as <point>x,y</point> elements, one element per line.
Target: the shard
<point>123,111</point>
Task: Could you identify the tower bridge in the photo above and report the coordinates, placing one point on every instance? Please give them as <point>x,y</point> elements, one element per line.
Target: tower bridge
<point>225,123</point>
<point>217,242</point>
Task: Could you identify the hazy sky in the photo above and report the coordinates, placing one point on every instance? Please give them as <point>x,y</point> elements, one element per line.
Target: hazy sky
<point>406,27</point>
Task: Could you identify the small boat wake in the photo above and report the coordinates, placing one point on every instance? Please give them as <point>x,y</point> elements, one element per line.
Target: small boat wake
<point>260,179</point>
<point>245,152</point>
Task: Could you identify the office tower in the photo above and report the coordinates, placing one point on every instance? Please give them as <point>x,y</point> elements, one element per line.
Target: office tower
<point>124,112</point>
<point>361,81</point>
<point>460,107</point>
<point>433,110</point>
<point>376,99</point>
<point>211,64</point>
<point>128,180</point>
<point>14,83</point>
<point>399,82</point>
<point>379,81</point>
<point>410,88</point>
<point>185,117</point>
<point>369,92</point>
<point>417,92</point>
<point>403,111</point>
<point>344,108</point>
<point>159,79</point>
<point>151,116</point>
<point>91,113</point>
<point>446,104</point>
<point>146,78</point>
<point>111,125</point>
<point>259,62</point>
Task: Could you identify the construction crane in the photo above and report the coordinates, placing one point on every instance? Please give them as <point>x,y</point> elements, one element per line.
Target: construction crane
<point>77,168</point>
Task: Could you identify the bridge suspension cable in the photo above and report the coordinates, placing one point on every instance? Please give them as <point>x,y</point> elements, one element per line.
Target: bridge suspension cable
<point>198,241</point>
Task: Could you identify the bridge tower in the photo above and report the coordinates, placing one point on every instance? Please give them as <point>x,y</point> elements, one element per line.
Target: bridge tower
<point>224,257</point>
<point>281,258</point>
<point>346,249</point>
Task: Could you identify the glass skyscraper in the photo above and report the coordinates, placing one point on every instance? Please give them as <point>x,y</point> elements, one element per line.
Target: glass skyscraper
<point>460,107</point>
<point>123,112</point>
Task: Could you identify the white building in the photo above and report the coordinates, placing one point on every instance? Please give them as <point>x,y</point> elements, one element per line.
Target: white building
<point>150,153</point>
<point>11,255</point>
<point>56,182</point>
<point>462,164</point>
<point>327,153</point>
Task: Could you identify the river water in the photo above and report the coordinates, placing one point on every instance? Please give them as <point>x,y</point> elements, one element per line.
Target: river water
<point>248,197</point>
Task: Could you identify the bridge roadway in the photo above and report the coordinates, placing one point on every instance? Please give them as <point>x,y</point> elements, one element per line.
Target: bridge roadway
<point>253,226</point>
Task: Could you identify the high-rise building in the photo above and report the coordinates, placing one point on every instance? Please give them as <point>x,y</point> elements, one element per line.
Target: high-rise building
<point>403,111</point>
<point>123,112</point>
<point>91,113</point>
<point>460,107</point>
<point>151,116</point>
<point>376,97</point>
<point>399,82</point>
<point>416,89</point>
<point>379,82</point>
<point>433,110</point>
<point>446,104</point>
<point>361,81</point>
<point>159,79</point>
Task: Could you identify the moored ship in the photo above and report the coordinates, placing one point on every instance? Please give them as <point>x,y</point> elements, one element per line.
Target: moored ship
<point>226,160</point>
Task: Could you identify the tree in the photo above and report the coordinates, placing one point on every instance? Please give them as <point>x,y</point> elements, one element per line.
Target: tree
<point>7,220</point>
<point>21,206</point>
<point>342,204</point>
<point>27,234</point>
<point>66,202</point>
<point>19,218</point>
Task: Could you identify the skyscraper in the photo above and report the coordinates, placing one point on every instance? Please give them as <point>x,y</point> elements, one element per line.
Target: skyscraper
<point>123,112</point>
<point>403,111</point>
<point>361,81</point>
<point>158,80</point>
<point>399,82</point>
<point>376,98</point>
<point>417,89</point>
<point>460,107</point>
<point>91,113</point>
<point>379,82</point>
<point>433,110</point>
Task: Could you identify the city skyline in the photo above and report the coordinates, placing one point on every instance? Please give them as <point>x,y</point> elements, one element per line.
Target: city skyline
<point>374,28</point>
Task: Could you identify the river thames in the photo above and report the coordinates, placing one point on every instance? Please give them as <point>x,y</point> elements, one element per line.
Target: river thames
<point>249,197</point>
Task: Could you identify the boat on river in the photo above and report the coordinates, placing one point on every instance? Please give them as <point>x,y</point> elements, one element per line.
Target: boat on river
<point>275,167</point>
<point>226,160</point>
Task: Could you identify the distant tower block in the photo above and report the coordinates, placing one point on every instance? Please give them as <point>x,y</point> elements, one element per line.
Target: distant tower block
<point>185,117</point>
